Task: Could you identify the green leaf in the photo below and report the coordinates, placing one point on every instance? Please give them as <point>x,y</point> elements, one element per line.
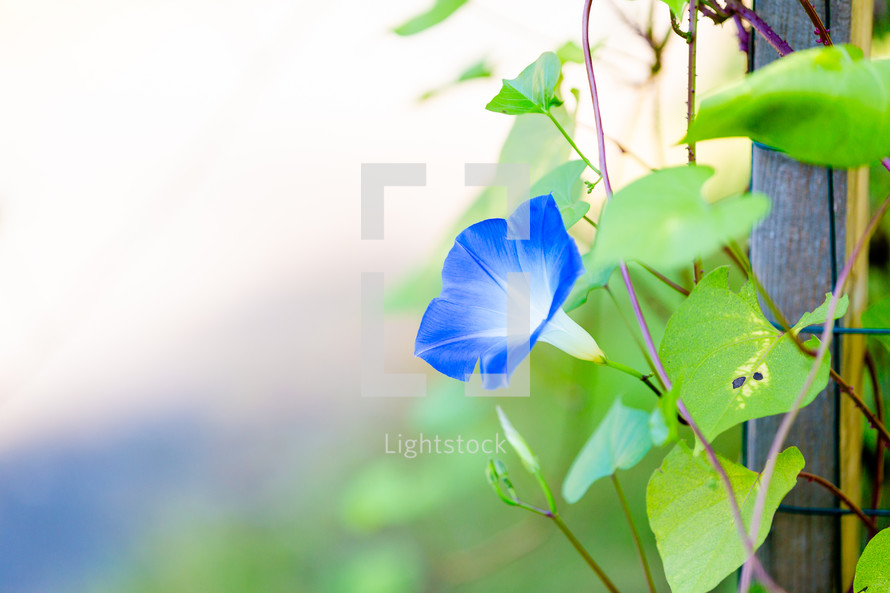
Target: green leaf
<point>572,52</point>
<point>481,69</point>
<point>663,424</point>
<point>676,6</point>
<point>820,314</point>
<point>533,91</point>
<point>731,363</point>
<point>440,11</point>
<point>658,427</point>
<point>595,276</point>
<point>878,316</point>
<point>873,568</point>
<point>663,220</point>
<point>621,440</point>
<point>690,515</point>
<point>824,106</point>
<point>564,184</point>
<point>519,445</point>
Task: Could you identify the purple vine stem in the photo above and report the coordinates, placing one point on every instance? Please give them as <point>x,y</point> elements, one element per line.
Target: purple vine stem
<point>692,41</point>
<point>752,564</point>
<point>607,184</point>
<point>635,303</point>
<point>779,44</point>
<point>788,420</point>
<point>744,42</point>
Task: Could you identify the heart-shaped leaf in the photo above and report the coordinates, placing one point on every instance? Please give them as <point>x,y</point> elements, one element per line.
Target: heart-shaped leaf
<point>730,363</point>
<point>533,91</point>
<point>690,515</point>
<point>663,220</point>
<point>873,568</point>
<point>825,106</point>
<point>620,441</point>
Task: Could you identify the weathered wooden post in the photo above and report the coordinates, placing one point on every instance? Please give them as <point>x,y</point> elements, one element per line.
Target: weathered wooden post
<point>792,254</point>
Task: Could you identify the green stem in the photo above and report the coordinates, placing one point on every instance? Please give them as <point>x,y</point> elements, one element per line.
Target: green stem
<point>632,372</point>
<point>664,279</point>
<point>580,548</point>
<point>551,502</point>
<point>550,513</point>
<point>636,534</point>
<point>633,334</point>
<point>675,25</point>
<point>572,142</point>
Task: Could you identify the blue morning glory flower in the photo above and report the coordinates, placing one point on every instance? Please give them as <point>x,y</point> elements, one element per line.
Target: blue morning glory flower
<point>503,286</point>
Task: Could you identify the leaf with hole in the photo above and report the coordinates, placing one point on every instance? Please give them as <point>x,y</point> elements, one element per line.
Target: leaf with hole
<point>826,106</point>
<point>620,441</point>
<point>732,365</point>
<point>663,220</point>
<point>533,91</point>
<point>689,513</point>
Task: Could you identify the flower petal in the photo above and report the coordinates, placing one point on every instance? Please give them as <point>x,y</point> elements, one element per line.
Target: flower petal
<point>550,255</point>
<point>452,337</point>
<point>478,267</point>
<point>489,273</point>
<point>562,331</point>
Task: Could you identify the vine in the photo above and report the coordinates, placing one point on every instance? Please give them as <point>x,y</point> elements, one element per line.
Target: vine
<point>709,379</point>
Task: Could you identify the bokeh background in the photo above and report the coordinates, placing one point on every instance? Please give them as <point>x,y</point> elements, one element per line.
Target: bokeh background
<point>180,293</point>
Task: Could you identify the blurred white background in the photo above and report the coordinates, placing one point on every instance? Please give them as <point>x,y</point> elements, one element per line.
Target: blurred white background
<point>180,186</point>
<point>181,253</point>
